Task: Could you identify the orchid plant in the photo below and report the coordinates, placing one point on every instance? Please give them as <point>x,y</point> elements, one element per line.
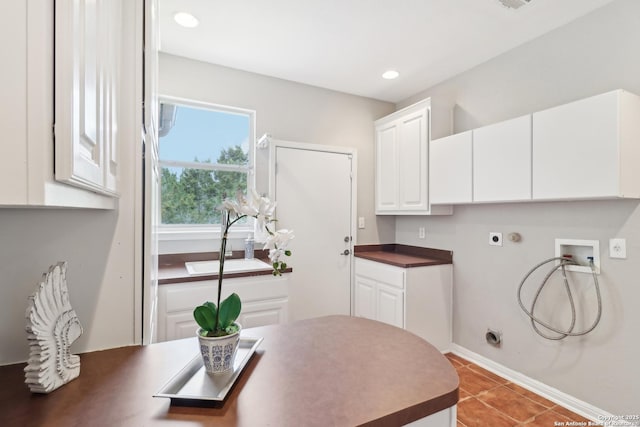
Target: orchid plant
<point>217,320</point>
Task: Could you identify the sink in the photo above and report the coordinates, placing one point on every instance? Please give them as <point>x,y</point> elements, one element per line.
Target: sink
<point>202,268</point>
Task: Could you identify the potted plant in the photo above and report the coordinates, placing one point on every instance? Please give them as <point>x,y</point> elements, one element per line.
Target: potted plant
<point>219,332</point>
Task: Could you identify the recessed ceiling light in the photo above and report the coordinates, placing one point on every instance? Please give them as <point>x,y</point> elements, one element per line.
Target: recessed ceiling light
<point>186,20</point>
<point>390,74</point>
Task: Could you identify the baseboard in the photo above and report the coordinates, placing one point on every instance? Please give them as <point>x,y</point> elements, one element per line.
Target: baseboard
<point>556,396</point>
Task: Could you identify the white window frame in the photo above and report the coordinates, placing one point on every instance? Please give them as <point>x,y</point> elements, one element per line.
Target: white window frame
<point>191,232</point>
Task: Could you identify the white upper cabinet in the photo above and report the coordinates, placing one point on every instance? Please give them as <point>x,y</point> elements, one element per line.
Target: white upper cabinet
<point>402,153</point>
<point>27,112</point>
<point>502,161</point>
<point>87,48</point>
<point>450,169</point>
<point>387,175</point>
<point>588,149</point>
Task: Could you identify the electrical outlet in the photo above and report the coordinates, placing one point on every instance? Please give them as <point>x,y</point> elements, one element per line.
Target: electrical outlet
<point>495,239</point>
<point>421,233</point>
<point>618,248</point>
<point>360,222</point>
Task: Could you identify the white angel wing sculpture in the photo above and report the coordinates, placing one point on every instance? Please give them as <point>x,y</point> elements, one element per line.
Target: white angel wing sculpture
<point>52,326</point>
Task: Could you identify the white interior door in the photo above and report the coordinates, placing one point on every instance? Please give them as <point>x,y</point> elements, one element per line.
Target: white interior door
<point>314,191</point>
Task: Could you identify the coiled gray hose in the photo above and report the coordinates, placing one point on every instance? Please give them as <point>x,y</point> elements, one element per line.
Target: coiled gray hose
<point>535,321</point>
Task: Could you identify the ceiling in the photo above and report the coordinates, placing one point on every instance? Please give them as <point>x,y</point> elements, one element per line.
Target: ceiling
<point>346,45</point>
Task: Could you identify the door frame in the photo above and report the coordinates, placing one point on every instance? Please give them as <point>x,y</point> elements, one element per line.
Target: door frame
<point>277,143</point>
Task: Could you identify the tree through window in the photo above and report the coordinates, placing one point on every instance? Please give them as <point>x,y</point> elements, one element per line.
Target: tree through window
<point>205,156</point>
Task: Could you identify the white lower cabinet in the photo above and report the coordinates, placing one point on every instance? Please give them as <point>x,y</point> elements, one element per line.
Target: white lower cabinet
<point>417,299</point>
<point>265,301</point>
<point>379,300</point>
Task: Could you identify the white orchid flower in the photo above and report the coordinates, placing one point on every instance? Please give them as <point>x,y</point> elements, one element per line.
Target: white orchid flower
<point>262,209</point>
<point>231,206</point>
<point>275,255</point>
<point>277,244</point>
<point>246,206</point>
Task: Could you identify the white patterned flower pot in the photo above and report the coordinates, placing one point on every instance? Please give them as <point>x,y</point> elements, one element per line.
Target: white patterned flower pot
<point>218,353</point>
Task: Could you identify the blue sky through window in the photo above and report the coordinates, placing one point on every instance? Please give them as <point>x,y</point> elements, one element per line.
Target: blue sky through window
<point>203,134</point>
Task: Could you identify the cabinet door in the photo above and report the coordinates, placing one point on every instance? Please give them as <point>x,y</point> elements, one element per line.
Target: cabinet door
<point>87,47</point>
<point>179,325</point>
<point>264,313</point>
<point>390,305</point>
<point>387,167</point>
<point>450,177</point>
<point>365,298</point>
<point>413,156</point>
<point>502,161</point>
<point>575,150</point>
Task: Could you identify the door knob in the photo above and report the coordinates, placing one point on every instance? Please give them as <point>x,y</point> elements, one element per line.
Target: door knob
<point>345,252</point>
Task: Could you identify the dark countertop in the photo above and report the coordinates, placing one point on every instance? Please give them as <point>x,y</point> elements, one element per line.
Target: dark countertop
<point>171,267</point>
<point>404,256</point>
<point>334,370</point>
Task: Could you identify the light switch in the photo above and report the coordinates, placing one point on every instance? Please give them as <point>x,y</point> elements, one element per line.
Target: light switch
<point>360,222</point>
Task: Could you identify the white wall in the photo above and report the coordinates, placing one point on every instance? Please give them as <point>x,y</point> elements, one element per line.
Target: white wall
<point>594,54</point>
<point>292,112</point>
<point>99,247</point>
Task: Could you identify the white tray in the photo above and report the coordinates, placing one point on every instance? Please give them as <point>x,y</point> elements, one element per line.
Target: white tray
<point>192,386</point>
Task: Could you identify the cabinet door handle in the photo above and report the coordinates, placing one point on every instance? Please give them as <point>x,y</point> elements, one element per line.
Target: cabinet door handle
<point>345,252</point>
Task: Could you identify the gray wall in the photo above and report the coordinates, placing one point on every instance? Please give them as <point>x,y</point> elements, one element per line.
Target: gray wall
<point>292,112</point>
<point>594,54</point>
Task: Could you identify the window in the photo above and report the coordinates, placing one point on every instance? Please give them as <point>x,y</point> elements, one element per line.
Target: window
<point>206,155</point>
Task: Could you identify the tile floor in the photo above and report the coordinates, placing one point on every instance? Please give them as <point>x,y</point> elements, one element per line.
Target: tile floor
<point>489,400</point>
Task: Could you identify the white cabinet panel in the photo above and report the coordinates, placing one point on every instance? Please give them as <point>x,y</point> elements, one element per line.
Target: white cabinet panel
<point>450,169</point>
<point>413,154</point>
<point>402,163</point>
<point>265,301</point>
<point>387,176</point>
<point>379,292</point>
<point>86,85</point>
<point>365,297</point>
<point>429,304</point>
<point>262,313</point>
<point>417,299</point>
<point>27,110</point>
<point>502,161</point>
<point>588,148</point>
<point>390,307</point>
<point>180,325</point>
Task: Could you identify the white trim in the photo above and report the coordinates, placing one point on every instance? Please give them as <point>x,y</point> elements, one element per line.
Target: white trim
<point>556,396</point>
<point>201,232</point>
<point>140,239</point>
<point>206,166</point>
